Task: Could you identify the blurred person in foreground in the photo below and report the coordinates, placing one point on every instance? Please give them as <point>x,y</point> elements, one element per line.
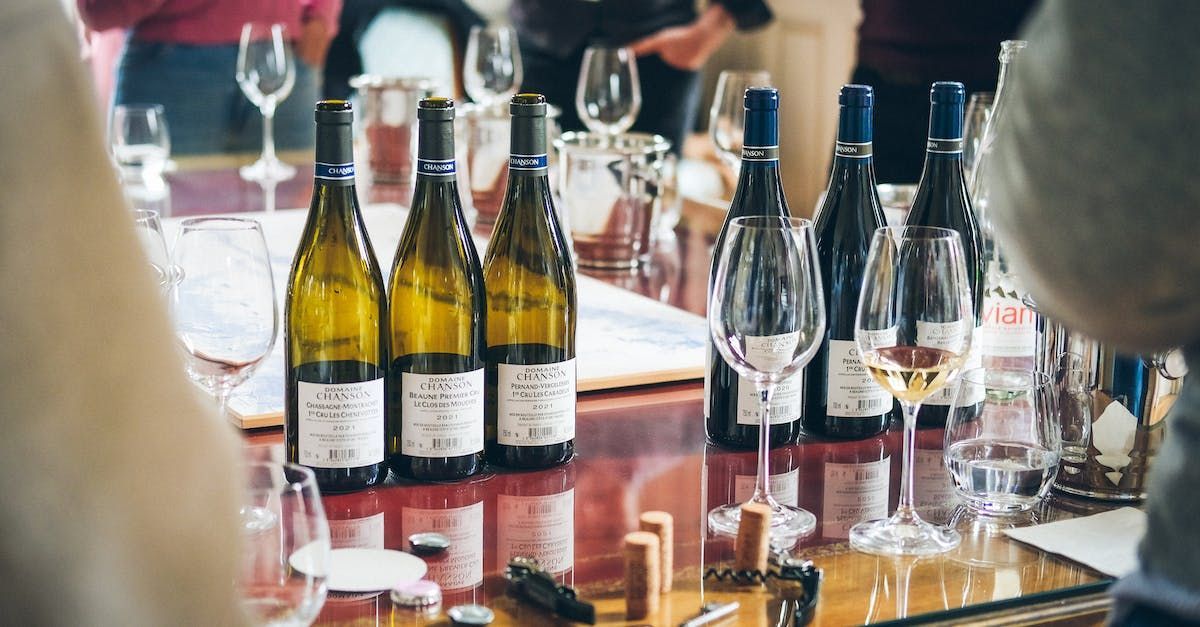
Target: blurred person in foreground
<point>671,40</point>
<point>118,481</point>
<point>1098,206</point>
<point>182,54</point>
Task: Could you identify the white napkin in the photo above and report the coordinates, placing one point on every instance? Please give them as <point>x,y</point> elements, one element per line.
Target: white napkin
<point>1106,542</point>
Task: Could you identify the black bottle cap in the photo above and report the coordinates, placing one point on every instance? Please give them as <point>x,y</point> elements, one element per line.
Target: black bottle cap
<point>856,96</point>
<point>947,92</point>
<point>528,105</point>
<point>334,112</point>
<point>435,108</point>
<point>762,98</point>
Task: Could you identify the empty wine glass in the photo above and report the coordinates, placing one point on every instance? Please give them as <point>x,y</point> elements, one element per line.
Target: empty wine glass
<point>224,301</point>
<point>140,142</point>
<point>154,244</point>
<point>492,64</point>
<point>285,545</point>
<point>913,332</point>
<point>727,116</point>
<point>608,96</point>
<point>1002,439</point>
<point>766,316</point>
<point>974,123</point>
<point>266,73</point>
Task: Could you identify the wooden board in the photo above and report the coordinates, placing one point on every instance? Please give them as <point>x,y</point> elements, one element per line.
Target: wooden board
<point>623,339</point>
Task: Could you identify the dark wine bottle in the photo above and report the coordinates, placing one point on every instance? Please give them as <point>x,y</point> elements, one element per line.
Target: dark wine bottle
<point>840,398</point>
<point>530,284</point>
<point>731,404</point>
<point>942,200</point>
<point>435,304</point>
<point>335,326</point>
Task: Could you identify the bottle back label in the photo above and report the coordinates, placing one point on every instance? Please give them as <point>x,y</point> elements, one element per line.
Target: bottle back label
<point>852,150</point>
<point>764,154</point>
<point>854,492</point>
<point>851,390</point>
<point>443,414</point>
<point>528,165</point>
<point>946,336</point>
<point>786,401</point>
<point>436,168</point>
<point>536,403</point>
<point>341,424</point>
<point>335,172</point>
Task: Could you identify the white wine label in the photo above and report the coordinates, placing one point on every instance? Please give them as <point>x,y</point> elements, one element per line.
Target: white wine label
<point>341,424</point>
<point>528,162</point>
<point>442,414</point>
<point>435,167</point>
<point>357,533</point>
<point>785,487</point>
<point>760,153</point>
<point>851,390</point>
<point>852,150</point>
<point>879,338</point>
<point>536,403</point>
<point>786,401</point>
<point>768,353</point>
<point>854,493</point>
<point>462,566</point>
<point>947,336</point>
<point>1009,328</point>
<point>541,527</point>
<point>335,171</point>
<point>945,396</point>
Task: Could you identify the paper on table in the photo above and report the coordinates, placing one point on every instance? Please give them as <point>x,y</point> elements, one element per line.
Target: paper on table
<point>1106,542</point>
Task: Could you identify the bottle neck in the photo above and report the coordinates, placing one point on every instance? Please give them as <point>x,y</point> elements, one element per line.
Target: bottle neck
<point>760,140</point>
<point>853,148</point>
<point>435,152</point>
<point>334,156</point>
<point>945,141</point>
<point>527,149</point>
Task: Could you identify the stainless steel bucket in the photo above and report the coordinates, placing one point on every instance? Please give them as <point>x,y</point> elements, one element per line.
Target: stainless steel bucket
<point>1111,408</point>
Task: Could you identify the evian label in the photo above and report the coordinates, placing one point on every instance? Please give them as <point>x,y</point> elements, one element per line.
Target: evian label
<point>536,403</point>
<point>528,164</point>
<point>340,424</point>
<point>760,153</point>
<point>1009,328</point>
<point>435,167</point>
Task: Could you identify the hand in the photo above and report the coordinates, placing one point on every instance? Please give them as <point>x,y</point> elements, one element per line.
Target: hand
<point>313,42</point>
<point>689,47</point>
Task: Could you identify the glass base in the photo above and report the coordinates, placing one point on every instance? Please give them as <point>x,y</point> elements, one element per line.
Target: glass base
<point>891,536</point>
<point>266,170</point>
<point>788,523</point>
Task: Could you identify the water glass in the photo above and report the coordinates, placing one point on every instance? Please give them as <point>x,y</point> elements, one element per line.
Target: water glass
<point>223,303</point>
<point>140,142</point>
<point>766,317</point>
<point>285,545</point>
<point>492,64</point>
<point>727,116</point>
<point>608,96</point>
<point>1002,439</point>
<point>266,73</point>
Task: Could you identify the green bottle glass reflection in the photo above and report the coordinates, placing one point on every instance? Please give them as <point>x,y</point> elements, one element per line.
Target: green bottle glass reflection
<point>436,302</point>
<point>530,283</point>
<point>335,326</point>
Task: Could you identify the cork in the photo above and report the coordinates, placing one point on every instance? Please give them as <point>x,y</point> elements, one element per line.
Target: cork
<point>662,525</point>
<point>641,575</point>
<point>753,538</point>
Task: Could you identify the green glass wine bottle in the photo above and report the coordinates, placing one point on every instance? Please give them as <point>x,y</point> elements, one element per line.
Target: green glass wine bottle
<point>530,282</point>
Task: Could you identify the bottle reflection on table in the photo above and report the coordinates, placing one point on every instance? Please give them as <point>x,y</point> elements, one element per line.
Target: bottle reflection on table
<point>933,490</point>
<point>856,484</point>
<point>356,521</point>
<point>892,596</point>
<point>728,477</point>
<point>535,517</point>
<point>455,510</point>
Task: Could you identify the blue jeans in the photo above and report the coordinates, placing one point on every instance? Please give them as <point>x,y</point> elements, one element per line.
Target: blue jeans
<point>206,110</point>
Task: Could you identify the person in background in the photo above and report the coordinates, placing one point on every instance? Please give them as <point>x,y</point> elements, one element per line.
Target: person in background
<point>906,45</point>
<point>671,40</point>
<point>1095,200</point>
<point>119,484</point>
<point>182,54</point>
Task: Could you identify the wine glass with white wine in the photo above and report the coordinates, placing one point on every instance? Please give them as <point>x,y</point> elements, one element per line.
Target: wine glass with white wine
<point>913,332</point>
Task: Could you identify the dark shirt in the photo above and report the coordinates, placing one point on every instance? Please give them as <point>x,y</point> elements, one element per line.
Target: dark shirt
<point>920,41</point>
<point>561,28</point>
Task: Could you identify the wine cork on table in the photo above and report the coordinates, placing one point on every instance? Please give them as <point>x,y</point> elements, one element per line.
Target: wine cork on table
<point>641,575</point>
<point>753,538</point>
<point>662,525</point>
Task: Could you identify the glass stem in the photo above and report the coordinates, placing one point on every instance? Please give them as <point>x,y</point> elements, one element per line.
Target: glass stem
<point>222,396</point>
<point>905,512</point>
<point>268,151</point>
<point>762,488</point>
